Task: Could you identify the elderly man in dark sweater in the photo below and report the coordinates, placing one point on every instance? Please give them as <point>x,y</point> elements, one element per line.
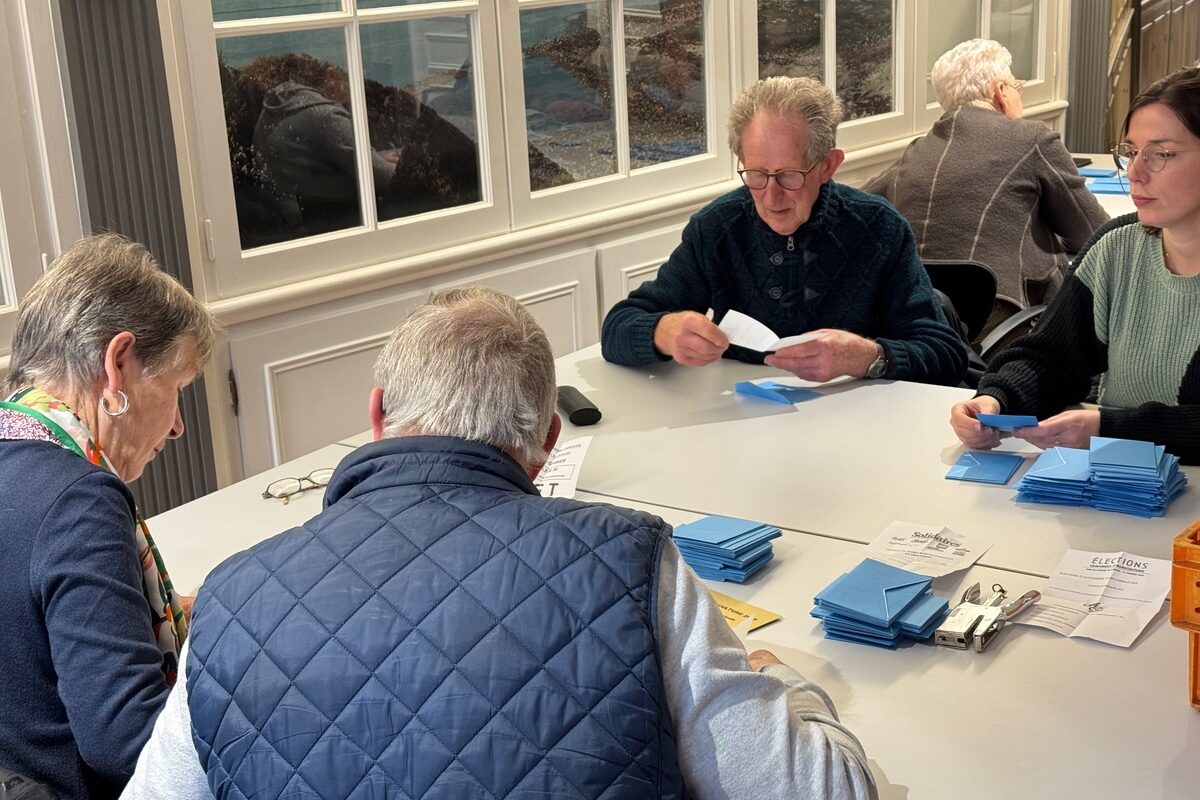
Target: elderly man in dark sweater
<point>799,253</point>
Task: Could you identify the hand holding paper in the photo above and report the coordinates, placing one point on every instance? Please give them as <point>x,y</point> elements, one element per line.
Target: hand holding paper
<point>1068,429</point>
<point>690,338</point>
<point>833,354</point>
<point>745,331</point>
<point>970,430</point>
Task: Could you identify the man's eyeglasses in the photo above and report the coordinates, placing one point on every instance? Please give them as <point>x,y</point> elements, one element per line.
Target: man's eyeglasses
<point>1154,157</point>
<point>284,488</point>
<point>1017,86</point>
<point>789,179</point>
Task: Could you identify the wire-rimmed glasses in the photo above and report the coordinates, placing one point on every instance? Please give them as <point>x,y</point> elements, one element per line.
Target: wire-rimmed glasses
<point>789,179</point>
<point>285,488</point>
<point>1154,157</point>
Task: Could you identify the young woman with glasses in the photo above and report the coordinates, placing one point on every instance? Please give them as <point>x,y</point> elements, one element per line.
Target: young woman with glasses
<point>1128,311</point>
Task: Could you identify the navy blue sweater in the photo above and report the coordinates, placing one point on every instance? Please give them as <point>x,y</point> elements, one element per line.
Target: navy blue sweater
<point>82,677</point>
<point>852,266</point>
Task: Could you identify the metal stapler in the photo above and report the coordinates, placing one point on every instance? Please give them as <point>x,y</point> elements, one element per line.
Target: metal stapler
<point>974,623</point>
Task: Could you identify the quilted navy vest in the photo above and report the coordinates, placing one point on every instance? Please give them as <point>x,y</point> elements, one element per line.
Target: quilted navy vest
<point>438,631</point>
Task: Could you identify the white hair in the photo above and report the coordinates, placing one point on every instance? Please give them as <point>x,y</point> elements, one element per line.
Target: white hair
<point>968,71</point>
<point>789,98</point>
<point>99,287</point>
<point>470,363</point>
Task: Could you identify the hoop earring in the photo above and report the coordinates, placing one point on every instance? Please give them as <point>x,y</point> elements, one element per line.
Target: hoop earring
<point>124,405</point>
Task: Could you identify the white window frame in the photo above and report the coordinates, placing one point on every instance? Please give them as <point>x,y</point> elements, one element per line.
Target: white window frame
<point>229,270</point>
<point>40,210</point>
<point>624,185</point>
<point>1039,87</point>
<point>508,206</point>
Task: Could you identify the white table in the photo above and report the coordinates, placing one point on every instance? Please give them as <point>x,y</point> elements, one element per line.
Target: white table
<point>843,465</point>
<point>197,536</point>
<point>1037,715</point>
<point>1114,204</point>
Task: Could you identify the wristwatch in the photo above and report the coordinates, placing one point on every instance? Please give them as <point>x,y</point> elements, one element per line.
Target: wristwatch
<point>879,365</point>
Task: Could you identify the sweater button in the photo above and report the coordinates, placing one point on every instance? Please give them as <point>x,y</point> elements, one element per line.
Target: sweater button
<point>777,259</point>
<point>775,292</point>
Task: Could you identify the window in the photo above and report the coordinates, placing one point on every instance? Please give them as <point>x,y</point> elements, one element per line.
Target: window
<point>20,247</point>
<point>333,134</point>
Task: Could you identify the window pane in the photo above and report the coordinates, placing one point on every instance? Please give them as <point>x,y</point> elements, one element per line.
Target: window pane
<point>420,90</point>
<point>950,22</point>
<point>567,53</point>
<point>789,38</point>
<point>392,3</point>
<point>664,56</point>
<point>291,137</point>
<point>225,10</point>
<point>864,57</point>
<point>1015,25</point>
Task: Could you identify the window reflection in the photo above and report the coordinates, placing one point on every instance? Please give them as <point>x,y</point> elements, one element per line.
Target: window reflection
<point>291,135</point>
<point>865,45</point>
<point>1015,25</point>
<point>226,10</point>
<point>664,54</point>
<point>568,93</point>
<point>950,22</point>
<point>789,39</point>
<point>291,129</point>
<point>420,92</point>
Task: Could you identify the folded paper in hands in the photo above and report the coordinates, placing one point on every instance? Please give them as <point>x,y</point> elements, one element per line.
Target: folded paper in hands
<point>747,332</point>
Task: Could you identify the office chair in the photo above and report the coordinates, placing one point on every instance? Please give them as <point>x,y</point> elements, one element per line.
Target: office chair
<point>971,288</point>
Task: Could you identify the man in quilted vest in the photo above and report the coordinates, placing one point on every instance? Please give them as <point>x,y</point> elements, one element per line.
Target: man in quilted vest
<point>440,630</point>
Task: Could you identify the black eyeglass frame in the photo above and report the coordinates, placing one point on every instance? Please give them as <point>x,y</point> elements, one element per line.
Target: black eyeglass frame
<point>803,173</point>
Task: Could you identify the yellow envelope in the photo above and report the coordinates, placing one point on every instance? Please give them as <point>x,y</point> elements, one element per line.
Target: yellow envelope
<point>735,612</point>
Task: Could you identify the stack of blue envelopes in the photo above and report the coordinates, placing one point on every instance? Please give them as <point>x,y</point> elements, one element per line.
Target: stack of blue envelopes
<point>881,605</point>
<point>726,548</point>
<point>1122,475</point>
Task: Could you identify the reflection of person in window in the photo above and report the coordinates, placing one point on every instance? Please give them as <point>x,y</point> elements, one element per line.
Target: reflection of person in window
<point>306,140</point>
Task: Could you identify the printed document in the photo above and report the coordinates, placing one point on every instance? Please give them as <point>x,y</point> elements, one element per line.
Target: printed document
<point>560,473</point>
<point>1109,597</point>
<point>928,550</point>
<point>746,331</point>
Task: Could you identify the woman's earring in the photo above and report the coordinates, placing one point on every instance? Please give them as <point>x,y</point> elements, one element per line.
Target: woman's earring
<point>124,405</point>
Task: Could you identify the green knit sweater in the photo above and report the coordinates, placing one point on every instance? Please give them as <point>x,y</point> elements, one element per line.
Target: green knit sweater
<point>1123,314</point>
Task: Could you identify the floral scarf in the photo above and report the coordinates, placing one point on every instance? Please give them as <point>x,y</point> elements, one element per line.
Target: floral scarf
<point>33,414</point>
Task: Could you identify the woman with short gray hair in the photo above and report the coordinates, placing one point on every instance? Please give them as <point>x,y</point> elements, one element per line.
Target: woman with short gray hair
<point>104,344</point>
<point>986,185</point>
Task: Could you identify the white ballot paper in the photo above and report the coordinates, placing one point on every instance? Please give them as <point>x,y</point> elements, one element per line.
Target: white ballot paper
<point>926,549</point>
<point>746,331</point>
<point>1109,597</point>
<point>561,470</point>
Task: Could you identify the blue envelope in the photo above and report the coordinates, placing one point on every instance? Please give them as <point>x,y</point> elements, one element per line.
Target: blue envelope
<point>775,392</point>
<point>1007,422</point>
<point>984,467</point>
<point>873,592</point>
<point>1098,172</point>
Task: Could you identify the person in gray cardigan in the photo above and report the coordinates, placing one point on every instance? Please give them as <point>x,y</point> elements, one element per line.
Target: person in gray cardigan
<point>986,185</point>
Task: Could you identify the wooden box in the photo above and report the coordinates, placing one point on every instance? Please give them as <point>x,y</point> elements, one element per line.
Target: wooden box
<point>1185,599</point>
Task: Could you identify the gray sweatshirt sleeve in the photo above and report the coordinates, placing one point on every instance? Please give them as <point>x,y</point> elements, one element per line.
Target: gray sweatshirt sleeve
<point>766,735</point>
<point>168,765</point>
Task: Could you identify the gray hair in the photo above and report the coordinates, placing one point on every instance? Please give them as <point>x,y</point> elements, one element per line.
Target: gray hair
<point>966,72</point>
<point>790,98</point>
<point>99,287</point>
<point>474,364</point>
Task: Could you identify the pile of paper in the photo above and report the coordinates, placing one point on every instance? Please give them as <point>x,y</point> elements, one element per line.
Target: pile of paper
<point>726,548</point>
<point>1122,475</point>
<point>878,604</point>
